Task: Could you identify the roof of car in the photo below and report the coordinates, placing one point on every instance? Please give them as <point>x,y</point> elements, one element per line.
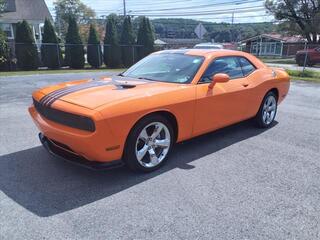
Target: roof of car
<point>213,53</point>
<point>205,52</point>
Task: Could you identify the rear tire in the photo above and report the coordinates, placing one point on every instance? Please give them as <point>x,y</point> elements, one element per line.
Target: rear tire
<point>149,144</point>
<point>300,61</point>
<point>267,111</point>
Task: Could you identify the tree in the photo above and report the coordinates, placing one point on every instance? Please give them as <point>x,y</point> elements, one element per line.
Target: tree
<point>303,13</point>
<point>4,50</point>
<point>145,38</point>
<point>127,40</point>
<point>74,47</point>
<point>26,49</point>
<point>2,6</point>
<point>94,48</point>
<point>71,8</point>
<point>50,49</point>
<point>223,36</point>
<point>112,51</point>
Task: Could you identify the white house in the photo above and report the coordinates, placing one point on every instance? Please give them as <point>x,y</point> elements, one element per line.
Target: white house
<point>33,11</point>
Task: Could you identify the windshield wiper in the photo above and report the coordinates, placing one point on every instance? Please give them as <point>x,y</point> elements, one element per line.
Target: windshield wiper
<point>120,74</point>
<point>144,78</point>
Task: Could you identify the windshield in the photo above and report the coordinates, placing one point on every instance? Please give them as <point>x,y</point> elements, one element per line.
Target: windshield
<point>166,67</point>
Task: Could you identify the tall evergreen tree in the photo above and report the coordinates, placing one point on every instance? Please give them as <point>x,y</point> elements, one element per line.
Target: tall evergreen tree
<point>74,47</point>
<point>112,51</point>
<point>145,38</point>
<point>127,40</point>
<point>50,49</point>
<point>4,51</point>
<point>26,49</point>
<point>94,48</point>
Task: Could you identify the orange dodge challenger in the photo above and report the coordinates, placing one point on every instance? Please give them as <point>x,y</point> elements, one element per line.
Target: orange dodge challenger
<point>170,96</point>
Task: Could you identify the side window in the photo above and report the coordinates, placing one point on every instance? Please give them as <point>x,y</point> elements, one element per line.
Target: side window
<point>227,65</point>
<point>247,66</point>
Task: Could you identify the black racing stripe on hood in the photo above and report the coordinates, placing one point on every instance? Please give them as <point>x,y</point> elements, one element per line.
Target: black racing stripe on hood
<point>49,99</point>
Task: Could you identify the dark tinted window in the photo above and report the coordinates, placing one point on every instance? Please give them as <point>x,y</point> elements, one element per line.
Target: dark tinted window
<point>247,66</point>
<point>227,65</point>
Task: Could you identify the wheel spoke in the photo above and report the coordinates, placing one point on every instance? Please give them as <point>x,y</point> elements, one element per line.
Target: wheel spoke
<point>144,135</point>
<point>157,129</point>
<point>267,102</point>
<point>142,152</point>
<point>264,116</point>
<point>272,108</point>
<point>153,157</point>
<point>162,143</point>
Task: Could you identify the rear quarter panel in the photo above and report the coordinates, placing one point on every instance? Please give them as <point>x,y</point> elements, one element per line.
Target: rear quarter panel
<point>262,81</point>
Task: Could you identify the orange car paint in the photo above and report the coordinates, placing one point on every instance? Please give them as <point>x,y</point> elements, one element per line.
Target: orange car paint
<point>196,108</point>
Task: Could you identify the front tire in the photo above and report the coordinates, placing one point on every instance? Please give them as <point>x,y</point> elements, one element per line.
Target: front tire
<point>149,144</point>
<point>267,111</point>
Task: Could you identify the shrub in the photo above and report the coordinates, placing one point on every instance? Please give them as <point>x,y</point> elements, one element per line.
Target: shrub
<point>112,51</point>
<point>26,49</point>
<point>74,47</point>
<point>50,50</point>
<point>145,38</point>
<point>94,48</point>
<point>4,51</point>
<point>128,40</point>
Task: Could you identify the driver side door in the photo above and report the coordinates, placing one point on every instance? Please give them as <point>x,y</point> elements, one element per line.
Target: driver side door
<point>224,104</point>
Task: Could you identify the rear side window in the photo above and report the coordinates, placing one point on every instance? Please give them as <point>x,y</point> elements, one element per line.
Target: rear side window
<point>227,65</point>
<point>247,66</point>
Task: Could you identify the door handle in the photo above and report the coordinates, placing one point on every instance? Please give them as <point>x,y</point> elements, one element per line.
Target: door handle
<point>245,84</point>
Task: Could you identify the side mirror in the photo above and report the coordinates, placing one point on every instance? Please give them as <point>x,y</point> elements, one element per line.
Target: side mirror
<point>219,78</point>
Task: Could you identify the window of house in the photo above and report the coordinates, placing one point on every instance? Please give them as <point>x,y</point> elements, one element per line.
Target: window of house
<point>7,28</point>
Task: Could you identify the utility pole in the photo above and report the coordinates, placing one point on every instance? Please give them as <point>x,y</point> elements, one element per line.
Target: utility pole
<point>232,22</point>
<point>124,8</point>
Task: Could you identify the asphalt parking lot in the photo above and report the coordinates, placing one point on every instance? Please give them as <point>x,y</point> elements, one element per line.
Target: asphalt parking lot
<point>236,183</point>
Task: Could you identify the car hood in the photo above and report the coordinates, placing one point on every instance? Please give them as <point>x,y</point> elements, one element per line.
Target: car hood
<point>95,93</point>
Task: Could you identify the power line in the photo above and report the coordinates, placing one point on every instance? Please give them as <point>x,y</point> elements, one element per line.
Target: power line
<point>220,11</point>
<point>201,6</point>
<point>194,14</point>
<point>234,2</point>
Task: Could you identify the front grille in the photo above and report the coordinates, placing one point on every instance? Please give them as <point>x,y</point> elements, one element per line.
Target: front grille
<point>65,118</point>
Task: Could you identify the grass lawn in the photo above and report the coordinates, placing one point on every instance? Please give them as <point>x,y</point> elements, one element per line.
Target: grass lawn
<point>279,60</point>
<point>58,71</point>
<point>307,75</point>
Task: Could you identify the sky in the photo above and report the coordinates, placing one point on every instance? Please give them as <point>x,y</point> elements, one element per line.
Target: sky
<point>207,10</point>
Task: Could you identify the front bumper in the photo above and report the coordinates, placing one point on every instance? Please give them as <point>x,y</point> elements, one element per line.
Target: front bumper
<point>60,150</point>
<point>100,146</point>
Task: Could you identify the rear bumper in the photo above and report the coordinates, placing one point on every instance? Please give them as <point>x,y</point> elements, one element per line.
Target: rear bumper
<point>62,151</point>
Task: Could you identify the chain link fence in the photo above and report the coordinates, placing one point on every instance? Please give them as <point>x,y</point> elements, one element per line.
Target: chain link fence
<point>49,52</point>
<point>301,54</point>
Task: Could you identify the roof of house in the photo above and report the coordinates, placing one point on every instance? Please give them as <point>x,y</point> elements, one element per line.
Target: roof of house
<point>32,10</point>
<point>279,37</point>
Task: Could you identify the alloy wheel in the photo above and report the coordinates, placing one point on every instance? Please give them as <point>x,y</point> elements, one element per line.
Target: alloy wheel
<point>153,144</point>
<point>269,109</point>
